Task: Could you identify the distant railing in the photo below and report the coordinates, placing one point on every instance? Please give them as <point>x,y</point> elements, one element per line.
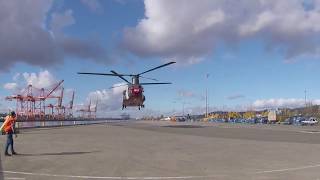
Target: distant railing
<point>25,119</point>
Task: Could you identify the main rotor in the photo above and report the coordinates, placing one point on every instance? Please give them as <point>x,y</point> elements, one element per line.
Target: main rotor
<point>134,77</point>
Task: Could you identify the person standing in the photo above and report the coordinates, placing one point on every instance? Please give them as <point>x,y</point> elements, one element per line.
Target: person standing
<point>8,127</point>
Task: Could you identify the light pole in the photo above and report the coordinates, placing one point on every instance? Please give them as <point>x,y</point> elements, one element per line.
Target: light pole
<point>207,76</point>
<point>206,102</point>
<point>183,109</point>
<point>305,97</point>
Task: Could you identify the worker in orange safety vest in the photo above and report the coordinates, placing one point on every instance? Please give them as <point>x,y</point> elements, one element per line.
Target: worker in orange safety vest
<point>8,127</point>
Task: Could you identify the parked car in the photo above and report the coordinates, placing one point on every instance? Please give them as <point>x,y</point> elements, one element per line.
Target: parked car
<point>310,121</point>
<point>263,120</point>
<point>297,120</point>
<point>287,121</point>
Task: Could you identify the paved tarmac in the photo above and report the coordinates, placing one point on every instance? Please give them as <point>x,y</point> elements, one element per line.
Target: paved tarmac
<point>165,150</point>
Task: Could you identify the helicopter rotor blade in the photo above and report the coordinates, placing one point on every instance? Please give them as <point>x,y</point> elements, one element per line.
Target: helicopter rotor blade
<point>156,68</point>
<point>154,83</point>
<point>112,87</point>
<point>120,76</point>
<point>101,74</point>
<point>149,78</point>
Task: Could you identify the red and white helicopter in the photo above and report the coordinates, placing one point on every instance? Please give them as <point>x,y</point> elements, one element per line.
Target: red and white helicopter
<point>133,96</point>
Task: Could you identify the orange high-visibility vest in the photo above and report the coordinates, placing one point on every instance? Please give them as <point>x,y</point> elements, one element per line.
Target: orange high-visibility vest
<point>8,124</point>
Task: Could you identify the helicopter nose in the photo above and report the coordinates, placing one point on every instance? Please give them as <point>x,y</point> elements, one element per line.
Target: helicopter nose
<point>136,90</point>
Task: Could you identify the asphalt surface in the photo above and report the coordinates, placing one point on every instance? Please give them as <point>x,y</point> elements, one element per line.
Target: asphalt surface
<point>165,150</point>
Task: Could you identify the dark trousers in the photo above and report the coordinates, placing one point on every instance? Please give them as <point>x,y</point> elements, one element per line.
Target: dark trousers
<point>9,143</point>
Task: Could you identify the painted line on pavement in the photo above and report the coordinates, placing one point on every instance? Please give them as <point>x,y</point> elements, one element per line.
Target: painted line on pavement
<point>288,169</point>
<point>105,177</point>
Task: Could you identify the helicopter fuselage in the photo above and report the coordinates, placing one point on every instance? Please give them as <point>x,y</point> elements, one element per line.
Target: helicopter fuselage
<point>133,96</point>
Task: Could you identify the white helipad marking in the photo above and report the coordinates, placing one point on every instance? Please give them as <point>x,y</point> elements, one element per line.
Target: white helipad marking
<point>148,178</point>
<point>289,169</point>
<point>310,132</point>
<point>104,177</point>
<point>15,178</point>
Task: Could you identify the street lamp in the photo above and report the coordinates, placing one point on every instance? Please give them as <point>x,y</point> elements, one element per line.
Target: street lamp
<point>207,76</point>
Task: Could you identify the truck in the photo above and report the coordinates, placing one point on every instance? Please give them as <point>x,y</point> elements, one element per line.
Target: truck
<point>272,116</point>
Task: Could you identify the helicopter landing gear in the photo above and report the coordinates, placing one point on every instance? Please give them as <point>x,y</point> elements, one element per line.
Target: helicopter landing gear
<point>123,106</point>
<point>141,106</point>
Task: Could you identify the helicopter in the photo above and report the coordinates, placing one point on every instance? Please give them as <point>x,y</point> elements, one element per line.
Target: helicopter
<point>133,95</point>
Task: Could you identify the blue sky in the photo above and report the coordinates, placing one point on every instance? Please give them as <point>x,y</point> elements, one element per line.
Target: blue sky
<point>261,65</point>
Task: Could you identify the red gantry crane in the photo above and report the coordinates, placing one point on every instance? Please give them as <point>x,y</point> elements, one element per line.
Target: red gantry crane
<point>31,103</point>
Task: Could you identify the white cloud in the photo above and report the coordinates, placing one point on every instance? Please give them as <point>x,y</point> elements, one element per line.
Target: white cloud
<point>108,99</point>
<point>282,103</point>
<point>42,79</point>
<point>260,104</point>
<point>209,20</point>
<point>188,30</point>
<point>10,86</point>
<point>25,37</point>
